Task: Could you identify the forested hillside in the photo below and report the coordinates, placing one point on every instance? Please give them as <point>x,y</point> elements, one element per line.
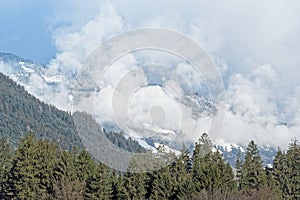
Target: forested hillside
<point>21,113</point>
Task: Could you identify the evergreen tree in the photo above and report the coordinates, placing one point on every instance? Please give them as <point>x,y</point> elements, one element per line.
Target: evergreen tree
<point>223,180</point>
<point>181,179</point>
<point>238,165</point>
<point>280,174</point>
<point>118,188</point>
<point>65,167</point>
<point>210,171</point>
<point>66,182</point>
<point>5,165</point>
<point>85,165</point>
<point>161,184</point>
<point>135,178</point>
<point>99,184</point>
<point>253,174</point>
<point>46,153</point>
<point>200,159</point>
<point>293,166</point>
<point>23,177</point>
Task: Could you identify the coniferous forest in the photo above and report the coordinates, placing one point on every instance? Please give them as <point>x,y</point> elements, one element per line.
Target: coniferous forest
<point>51,163</point>
<point>40,169</point>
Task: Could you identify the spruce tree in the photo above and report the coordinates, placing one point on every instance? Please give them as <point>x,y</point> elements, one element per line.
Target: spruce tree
<point>66,181</point>
<point>85,165</point>
<point>253,173</point>
<point>5,165</point>
<point>280,174</point>
<point>118,188</point>
<point>293,165</point>
<point>46,158</point>
<point>161,184</point>
<point>181,178</point>
<point>238,166</point>
<point>224,180</point>
<point>99,184</point>
<point>23,177</point>
<point>200,159</point>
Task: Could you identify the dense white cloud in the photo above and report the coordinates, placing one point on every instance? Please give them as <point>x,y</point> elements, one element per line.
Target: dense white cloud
<point>255,43</point>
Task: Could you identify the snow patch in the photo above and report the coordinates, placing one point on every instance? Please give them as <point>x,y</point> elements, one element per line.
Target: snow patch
<point>26,69</point>
<point>52,79</point>
<point>167,148</point>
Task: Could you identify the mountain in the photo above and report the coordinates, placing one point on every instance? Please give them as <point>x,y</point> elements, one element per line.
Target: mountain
<point>21,113</point>
<point>35,80</point>
<point>33,76</point>
<point>21,70</point>
<point>230,153</point>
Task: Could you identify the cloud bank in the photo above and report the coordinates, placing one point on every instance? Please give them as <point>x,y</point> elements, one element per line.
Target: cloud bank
<point>254,43</point>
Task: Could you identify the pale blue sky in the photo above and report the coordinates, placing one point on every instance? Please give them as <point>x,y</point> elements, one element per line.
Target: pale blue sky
<point>24,31</point>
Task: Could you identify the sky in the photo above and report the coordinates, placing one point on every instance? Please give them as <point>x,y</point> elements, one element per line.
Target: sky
<point>24,29</point>
<point>255,44</point>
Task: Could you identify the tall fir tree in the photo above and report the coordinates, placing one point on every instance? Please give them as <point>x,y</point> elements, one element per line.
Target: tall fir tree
<point>99,184</point>
<point>238,166</point>
<point>119,191</point>
<point>161,184</point>
<point>293,165</point>
<point>200,159</point>
<point>279,173</point>
<point>47,153</point>
<point>85,165</point>
<point>5,165</point>
<point>23,177</point>
<point>181,178</point>
<point>253,173</point>
<point>66,181</point>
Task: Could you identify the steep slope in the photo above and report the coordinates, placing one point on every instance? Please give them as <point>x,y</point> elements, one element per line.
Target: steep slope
<point>21,112</point>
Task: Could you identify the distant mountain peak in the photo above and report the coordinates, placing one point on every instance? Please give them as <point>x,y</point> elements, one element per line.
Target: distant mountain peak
<point>9,57</point>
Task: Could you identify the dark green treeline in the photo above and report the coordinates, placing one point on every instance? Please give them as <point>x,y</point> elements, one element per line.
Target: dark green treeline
<point>39,169</point>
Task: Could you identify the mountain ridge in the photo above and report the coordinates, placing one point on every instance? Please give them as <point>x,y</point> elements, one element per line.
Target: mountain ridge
<point>12,61</point>
<point>21,113</point>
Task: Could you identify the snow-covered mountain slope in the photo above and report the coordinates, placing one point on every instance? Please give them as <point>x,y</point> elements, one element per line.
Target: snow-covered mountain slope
<point>29,74</point>
<point>33,76</point>
<point>19,69</point>
<point>230,152</point>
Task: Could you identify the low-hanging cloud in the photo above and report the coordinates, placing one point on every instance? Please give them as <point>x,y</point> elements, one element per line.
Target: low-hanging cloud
<point>255,44</point>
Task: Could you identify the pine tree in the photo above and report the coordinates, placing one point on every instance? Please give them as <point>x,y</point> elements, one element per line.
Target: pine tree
<point>5,165</point>
<point>238,165</point>
<point>224,180</point>
<point>293,165</point>
<point>85,165</point>
<point>65,167</point>
<point>66,182</point>
<point>200,159</point>
<point>99,184</point>
<point>118,188</point>
<point>280,174</point>
<point>46,158</point>
<point>23,177</point>
<point>181,178</point>
<point>161,184</point>
<point>253,174</point>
